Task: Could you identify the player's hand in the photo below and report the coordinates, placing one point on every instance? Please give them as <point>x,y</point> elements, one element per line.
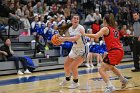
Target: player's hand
<point>57,36</point>
<point>62,39</point>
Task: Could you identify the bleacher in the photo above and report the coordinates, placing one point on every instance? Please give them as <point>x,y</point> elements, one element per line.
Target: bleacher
<point>22,46</point>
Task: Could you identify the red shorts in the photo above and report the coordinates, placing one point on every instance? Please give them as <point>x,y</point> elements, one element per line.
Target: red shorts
<point>114,57</point>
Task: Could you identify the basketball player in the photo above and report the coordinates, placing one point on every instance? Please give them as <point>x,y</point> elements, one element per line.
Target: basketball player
<point>77,53</point>
<point>114,49</point>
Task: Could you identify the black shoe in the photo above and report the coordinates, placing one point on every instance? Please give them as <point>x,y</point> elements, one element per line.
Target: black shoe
<point>135,70</point>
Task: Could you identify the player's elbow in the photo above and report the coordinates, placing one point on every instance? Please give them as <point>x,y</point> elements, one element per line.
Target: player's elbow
<point>96,36</point>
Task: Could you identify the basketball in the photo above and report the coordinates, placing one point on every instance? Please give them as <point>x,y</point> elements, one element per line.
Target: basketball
<point>55,40</point>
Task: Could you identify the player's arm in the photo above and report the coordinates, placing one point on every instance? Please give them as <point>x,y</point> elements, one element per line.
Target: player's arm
<point>67,34</point>
<point>103,31</point>
<point>72,39</point>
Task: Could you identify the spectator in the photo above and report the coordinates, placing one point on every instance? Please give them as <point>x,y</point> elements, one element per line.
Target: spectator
<point>60,20</point>
<point>115,9</point>
<point>42,25</point>
<point>123,32</point>
<point>55,28</point>
<point>54,8</point>
<point>97,5</point>
<point>95,27</point>
<point>129,40</point>
<point>27,25</point>
<point>89,19</point>
<point>130,30</point>
<point>29,5</point>
<point>33,2</point>
<point>34,25</point>
<point>9,53</point>
<point>94,49</point>
<point>24,2</point>
<point>12,11</point>
<point>67,12</point>
<point>103,7</point>
<point>40,31</point>
<point>38,8</point>
<point>60,10</point>
<point>31,15</point>
<point>37,32</point>
<point>125,36</point>
<point>25,21</point>
<point>8,11</point>
<point>45,9</point>
<point>89,60</point>
<point>73,9</point>
<point>17,9</point>
<point>97,15</point>
<point>48,31</point>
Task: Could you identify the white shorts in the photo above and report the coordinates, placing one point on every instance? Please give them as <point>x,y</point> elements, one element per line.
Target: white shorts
<point>75,52</point>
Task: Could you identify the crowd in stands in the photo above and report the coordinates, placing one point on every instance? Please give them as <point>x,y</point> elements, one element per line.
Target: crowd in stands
<point>42,17</point>
<point>59,14</point>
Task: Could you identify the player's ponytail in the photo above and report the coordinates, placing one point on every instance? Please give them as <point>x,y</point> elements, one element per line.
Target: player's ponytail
<point>110,20</point>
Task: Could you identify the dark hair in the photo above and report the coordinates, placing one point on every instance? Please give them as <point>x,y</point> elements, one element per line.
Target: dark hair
<point>75,15</point>
<point>110,20</point>
<point>6,39</point>
<point>135,11</point>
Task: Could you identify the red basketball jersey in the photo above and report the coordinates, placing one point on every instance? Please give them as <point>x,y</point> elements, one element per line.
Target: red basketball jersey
<point>112,40</point>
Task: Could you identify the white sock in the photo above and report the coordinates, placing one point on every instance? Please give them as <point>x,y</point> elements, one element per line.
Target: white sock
<point>109,84</point>
<point>121,78</point>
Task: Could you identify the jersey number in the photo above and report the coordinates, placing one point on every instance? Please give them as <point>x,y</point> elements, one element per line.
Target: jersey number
<point>116,34</point>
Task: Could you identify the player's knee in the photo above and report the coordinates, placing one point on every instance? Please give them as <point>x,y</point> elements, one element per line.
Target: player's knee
<point>73,68</point>
<point>101,69</point>
<point>66,67</point>
<point>112,68</point>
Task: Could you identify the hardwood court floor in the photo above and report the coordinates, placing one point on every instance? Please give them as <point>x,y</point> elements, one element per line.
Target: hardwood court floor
<point>48,82</point>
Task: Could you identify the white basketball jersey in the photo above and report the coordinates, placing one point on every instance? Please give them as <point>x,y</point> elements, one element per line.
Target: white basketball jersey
<point>80,43</point>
